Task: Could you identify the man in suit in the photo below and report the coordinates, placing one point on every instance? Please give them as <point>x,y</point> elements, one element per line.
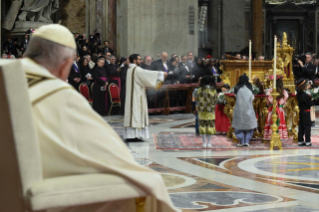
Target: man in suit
<point>185,71</point>
<point>147,63</point>
<point>107,49</point>
<point>161,64</point>
<point>75,75</point>
<point>190,59</point>
<point>316,63</point>
<point>308,69</point>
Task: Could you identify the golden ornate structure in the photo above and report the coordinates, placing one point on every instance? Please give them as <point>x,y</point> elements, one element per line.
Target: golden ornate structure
<point>261,108</point>
<point>140,204</point>
<point>275,138</point>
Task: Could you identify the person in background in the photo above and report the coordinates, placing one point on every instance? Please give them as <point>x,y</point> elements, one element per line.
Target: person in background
<point>244,117</point>
<point>261,58</point>
<point>86,73</point>
<point>206,98</point>
<point>195,112</point>
<point>258,84</point>
<point>309,86</point>
<point>190,59</point>
<point>304,103</point>
<point>84,51</point>
<point>114,72</point>
<point>238,56</point>
<point>4,56</point>
<point>281,101</point>
<point>123,72</point>
<point>24,43</point>
<point>107,49</point>
<point>90,62</point>
<point>199,69</point>
<point>221,120</point>
<point>147,63</point>
<point>100,97</point>
<point>75,74</point>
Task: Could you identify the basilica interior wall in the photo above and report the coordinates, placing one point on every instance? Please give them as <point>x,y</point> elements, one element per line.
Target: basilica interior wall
<point>150,27</point>
<point>72,14</point>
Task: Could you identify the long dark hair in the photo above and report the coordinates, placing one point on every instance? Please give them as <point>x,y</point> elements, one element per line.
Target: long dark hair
<point>280,88</point>
<point>259,85</point>
<point>243,80</point>
<point>207,80</point>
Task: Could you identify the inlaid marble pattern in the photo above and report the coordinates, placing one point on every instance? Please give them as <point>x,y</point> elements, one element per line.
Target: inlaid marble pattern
<point>190,193</point>
<point>297,172</point>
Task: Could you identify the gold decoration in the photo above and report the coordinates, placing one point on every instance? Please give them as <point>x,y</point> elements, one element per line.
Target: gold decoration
<point>140,204</point>
<point>159,85</point>
<point>228,110</point>
<point>275,138</point>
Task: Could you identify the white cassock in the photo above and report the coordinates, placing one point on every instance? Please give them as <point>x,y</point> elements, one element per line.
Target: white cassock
<point>75,140</point>
<point>136,110</point>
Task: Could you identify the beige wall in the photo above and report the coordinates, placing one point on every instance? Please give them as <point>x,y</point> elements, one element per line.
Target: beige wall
<point>73,15</point>
<point>149,27</point>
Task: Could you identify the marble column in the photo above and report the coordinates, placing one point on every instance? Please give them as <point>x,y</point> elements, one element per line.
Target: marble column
<point>257,26</point>
<point>105,23</point>
<point>92,15</point>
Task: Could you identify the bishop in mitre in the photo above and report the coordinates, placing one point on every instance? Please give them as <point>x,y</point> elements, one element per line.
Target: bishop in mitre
<point>73,138</point>
<point>136,122</point>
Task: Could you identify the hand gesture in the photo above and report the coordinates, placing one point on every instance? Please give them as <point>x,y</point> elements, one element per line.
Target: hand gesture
<point>300,63</point>
<point>165,74</point>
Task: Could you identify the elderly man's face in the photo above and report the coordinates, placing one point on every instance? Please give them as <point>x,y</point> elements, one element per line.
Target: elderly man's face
<point>113,60</point>
<point>190,56</point>
<point>148,61</point>
<point>164,57</point>
<point>101,63</point>
<point>308,59</point>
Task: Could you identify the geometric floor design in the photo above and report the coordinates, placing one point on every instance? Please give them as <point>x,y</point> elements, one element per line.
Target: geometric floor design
<point>227,179</point>
<point>182,140</point>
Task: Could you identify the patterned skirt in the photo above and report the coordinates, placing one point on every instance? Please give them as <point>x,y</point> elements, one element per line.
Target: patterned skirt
<point>207,127</point>
<point>282,128</point>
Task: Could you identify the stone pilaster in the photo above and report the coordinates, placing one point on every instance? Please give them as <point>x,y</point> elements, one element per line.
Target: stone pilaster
<point>92,15</point>
<point>257,26</point>
<point>149,27</point>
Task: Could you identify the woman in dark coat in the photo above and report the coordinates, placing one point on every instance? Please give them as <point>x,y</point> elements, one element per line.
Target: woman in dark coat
<point>86,73</point>
<point>100,88</point>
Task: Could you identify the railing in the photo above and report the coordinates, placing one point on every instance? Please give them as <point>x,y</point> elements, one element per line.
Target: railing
<point>292,1</point>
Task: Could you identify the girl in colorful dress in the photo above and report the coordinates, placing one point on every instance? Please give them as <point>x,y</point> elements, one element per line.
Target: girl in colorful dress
<point>281,101</point>
<point>206,98</point>
<point>221,120</point>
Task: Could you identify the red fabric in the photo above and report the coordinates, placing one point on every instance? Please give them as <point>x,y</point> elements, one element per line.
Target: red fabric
<point>114,92</point>
<point>307,110</point>
<point>84,90</point>
<point>221,120</point>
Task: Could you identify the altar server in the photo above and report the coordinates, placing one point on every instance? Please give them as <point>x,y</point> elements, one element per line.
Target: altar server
<point>73,139</point>
<point>136,112</point>
<point>281,102</point>
<point>304,103</point>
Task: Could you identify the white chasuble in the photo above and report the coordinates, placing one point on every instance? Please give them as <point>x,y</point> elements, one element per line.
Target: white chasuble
<point>74,139</point>
<point>136,110</point>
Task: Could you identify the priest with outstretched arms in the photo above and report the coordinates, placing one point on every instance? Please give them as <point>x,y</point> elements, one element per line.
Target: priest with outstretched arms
<point>136,111</point>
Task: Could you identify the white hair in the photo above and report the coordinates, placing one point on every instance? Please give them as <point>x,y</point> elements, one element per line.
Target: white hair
<point>48,53</point>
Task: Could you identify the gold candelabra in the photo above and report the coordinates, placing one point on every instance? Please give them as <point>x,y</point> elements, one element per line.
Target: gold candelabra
<point>275,138</point>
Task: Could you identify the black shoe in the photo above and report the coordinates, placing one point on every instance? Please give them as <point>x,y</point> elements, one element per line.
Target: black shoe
<point>134,140</point>
<point>308,144</point>
<point>301,144</point>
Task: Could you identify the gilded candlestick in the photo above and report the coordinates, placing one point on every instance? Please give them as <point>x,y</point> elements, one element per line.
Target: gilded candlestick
<point>275,138</point>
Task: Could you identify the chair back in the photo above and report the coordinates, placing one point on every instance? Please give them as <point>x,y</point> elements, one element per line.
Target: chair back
<point>84,90</point>
<point>114,91</point>
<point>20,162</point>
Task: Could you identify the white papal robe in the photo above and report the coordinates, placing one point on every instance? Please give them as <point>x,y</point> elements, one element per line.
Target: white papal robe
<point>75,140</point>
<point>136,124</point>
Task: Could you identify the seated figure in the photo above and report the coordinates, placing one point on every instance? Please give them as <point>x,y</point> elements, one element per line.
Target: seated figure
<point>73,139</point>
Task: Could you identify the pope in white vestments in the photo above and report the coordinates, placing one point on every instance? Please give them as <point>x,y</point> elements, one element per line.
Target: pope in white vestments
<point>75,140</point>
<point>136,121</point>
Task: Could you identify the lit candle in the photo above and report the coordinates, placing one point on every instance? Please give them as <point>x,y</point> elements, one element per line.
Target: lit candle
<point>275,62</point>
<point>250,60</point>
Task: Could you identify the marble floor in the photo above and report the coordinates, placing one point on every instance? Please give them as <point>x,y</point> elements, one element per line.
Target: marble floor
<point>234,180</point>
